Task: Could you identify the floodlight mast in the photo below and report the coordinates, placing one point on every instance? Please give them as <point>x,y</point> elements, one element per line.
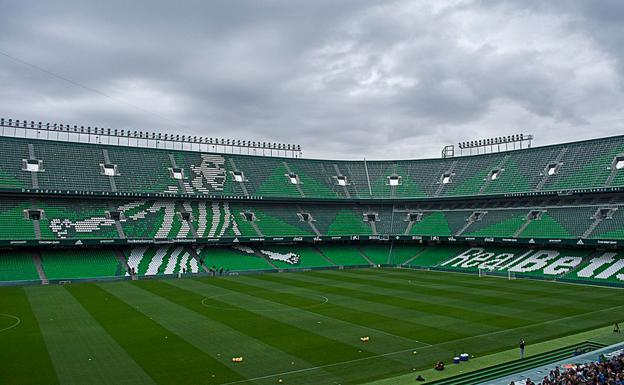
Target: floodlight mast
<point>448,151</point>
<point>496,144</point>
<point>99,135</point>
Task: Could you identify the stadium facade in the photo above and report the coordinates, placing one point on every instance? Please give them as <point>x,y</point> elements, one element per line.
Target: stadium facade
<point>91,211</point>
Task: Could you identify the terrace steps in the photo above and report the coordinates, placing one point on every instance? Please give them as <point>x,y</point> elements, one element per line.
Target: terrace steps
<point>37,261</point>
<point>511,367</point>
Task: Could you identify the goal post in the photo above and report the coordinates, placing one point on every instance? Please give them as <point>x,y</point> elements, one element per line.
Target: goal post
<point>492,272</point>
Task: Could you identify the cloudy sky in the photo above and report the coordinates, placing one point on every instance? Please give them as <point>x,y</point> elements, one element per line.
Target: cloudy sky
<point>345,79</point>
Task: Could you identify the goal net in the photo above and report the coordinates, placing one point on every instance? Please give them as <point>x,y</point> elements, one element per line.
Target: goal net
<point>492,272</point>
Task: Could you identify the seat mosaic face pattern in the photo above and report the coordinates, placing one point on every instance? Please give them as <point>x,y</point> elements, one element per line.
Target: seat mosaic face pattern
<point>67,219</point>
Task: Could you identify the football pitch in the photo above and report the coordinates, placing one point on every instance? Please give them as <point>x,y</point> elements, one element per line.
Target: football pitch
<point>290,328</point>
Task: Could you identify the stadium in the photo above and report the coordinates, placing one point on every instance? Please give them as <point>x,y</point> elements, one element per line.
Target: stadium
<point>143,258</point>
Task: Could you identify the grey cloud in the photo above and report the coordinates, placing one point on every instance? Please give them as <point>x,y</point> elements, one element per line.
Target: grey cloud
<point>348,79</point>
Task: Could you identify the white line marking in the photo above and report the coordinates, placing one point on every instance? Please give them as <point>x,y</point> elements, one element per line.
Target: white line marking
<point>319,367</point>
<point>17,322</point>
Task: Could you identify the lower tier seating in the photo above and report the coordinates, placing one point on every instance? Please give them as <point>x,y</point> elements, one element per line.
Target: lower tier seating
<point>161,260</point>
<point>582,265</point>
<point>576,265</point>
<point>80,263</point>
<point>344,255</point>
<point>17,266</point>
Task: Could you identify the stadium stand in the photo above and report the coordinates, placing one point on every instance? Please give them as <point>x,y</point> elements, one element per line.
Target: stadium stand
<point>433,256</point>
<point>343,255</point>
<point>233,258</point>
<point>402,253</point>
<point>17,266</point>
<point>145,170</point>
<point>604,369</point>
<point>67,219</point>
<point>243,212</point>
<point>287,256</point>
<point>587,265</point>
<point>161,260</point>
<point>81,263</point>
<point>378,254</point>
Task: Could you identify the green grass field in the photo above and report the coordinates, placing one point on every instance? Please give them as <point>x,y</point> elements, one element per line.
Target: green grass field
<point>302,328</point>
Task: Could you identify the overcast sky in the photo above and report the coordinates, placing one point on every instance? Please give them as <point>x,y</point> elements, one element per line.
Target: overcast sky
<point>344,79</point>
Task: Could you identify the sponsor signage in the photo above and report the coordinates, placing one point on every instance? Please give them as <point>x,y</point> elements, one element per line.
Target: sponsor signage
<point>379,238</point>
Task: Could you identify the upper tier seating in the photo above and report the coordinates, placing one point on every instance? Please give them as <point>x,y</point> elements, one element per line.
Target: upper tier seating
<point>80,168</point>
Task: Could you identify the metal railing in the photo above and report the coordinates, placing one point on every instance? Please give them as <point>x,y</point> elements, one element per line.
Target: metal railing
<point>133,138</point>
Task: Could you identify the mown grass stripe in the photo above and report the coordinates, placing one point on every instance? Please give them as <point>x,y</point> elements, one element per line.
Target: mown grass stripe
<point>436,327</point>
<point>302,307</point>
<point>267,330</point>
<point>441,293</point>
<point>458,279</point>
<point>161,353</point>
<point>309,346</point>
<point>290,311</point>
<point>437,279</point>
<point>492,341</point>
<point>417,299</point>
<point>327,357</point>
<point>216,339</point>
<point>94,357</point>
<point>493,303</point>
<point>548,300</point>
<point>437,285</point>
<point>514,287</point>
<point>365,317</point>
<point>394,304</point>
<point>24,358</point>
